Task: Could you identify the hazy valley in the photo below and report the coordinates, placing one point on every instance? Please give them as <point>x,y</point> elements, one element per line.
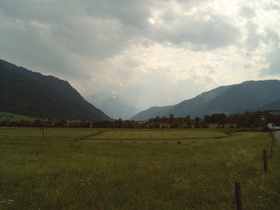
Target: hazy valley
<point>26,92</point>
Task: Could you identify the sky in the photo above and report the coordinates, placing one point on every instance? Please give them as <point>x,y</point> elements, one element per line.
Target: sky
<point>151,53</point>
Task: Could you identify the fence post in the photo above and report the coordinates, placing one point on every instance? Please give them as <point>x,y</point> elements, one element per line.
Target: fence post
<point>238,200</point>
<point>271,151</point>
<point>264,161</point>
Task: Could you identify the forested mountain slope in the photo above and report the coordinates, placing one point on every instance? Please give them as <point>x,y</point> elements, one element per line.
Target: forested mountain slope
<point>232,99</point>
<point>25,92</point>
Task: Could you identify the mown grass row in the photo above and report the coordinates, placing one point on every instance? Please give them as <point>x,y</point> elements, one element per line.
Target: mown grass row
<point>156,135</point>
<point>59,172</point>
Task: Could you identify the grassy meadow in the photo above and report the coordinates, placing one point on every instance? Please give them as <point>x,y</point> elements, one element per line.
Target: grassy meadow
<point>75,168</point>
<point>14,117</point>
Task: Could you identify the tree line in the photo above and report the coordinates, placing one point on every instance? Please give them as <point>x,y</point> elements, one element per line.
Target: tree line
<point>245,120</point>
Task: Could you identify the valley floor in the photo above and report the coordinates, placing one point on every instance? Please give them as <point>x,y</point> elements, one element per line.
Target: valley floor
<point>135,169</point>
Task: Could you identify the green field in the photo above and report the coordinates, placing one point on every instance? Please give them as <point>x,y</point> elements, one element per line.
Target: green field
<point>135,169</point>
<point>153,135</point>
<point>14,117</point>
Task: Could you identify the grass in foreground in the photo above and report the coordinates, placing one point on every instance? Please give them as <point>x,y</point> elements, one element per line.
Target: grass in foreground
<point>59,172</point>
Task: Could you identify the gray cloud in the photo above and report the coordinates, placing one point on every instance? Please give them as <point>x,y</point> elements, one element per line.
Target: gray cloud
<point>201,31</point>
<point>273,6</point>
<point>247,12</point>
<point>253,37</point>
<point>271,38</point>
<point>132,14</point>
<point>274,65</point>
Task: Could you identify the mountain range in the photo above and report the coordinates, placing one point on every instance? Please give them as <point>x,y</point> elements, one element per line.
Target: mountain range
<point>26,92</point>
<point>232,99</point>
<point>114,106</point>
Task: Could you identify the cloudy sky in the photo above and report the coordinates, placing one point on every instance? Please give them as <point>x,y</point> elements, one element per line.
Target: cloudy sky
<point>148,52</point>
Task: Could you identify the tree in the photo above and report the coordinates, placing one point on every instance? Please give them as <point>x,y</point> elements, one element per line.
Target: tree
<point>196,122</point>
<point>171,119</point>
<point>242,121</point>
<point>120,123</point>
<point>38,123</point>
<point>255,120</point>
<point>203,124</point>
<point>188,122</point>
<point>207,119</point>
<point>61,123</point>
<point>221,120</point>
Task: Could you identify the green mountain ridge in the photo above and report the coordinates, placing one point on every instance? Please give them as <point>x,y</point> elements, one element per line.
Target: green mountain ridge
<point>25,92</point>
<point>232,99</point>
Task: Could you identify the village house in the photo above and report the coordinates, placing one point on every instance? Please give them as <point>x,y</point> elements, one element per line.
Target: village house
<point>273,120</point>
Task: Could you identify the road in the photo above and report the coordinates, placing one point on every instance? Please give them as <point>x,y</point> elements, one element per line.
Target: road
<point>277,137</point>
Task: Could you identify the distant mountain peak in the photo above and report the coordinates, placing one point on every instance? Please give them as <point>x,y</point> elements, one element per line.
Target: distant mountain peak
<point>113,105</point>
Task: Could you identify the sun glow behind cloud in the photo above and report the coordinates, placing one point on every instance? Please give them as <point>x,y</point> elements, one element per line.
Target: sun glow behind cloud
<point>151,53</point>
